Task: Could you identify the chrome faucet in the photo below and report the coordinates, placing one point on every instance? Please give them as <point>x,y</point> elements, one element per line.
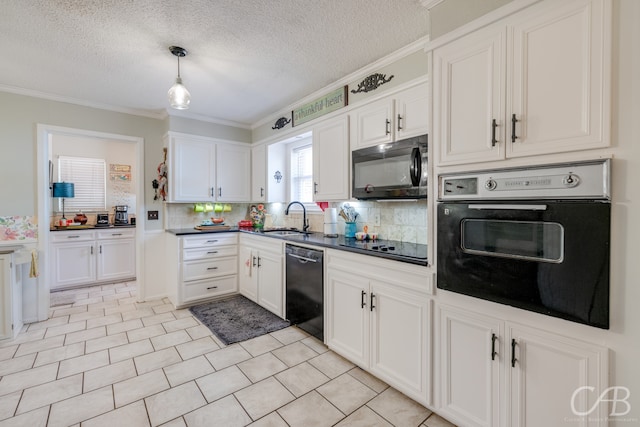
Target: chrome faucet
<point>305,222</point>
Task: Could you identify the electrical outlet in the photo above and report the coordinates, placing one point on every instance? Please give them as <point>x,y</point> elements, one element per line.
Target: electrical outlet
<point>152,215</point>
<point>376,220</point>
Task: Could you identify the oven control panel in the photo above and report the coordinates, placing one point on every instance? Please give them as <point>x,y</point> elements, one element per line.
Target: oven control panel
<point>587,180</point>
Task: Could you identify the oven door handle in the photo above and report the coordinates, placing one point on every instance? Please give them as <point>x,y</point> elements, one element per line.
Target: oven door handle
<point>510,207</point>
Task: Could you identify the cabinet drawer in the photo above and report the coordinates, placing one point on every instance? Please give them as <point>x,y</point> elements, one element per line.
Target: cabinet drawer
<point>193,270</point>
<point>209,239</point>
<point>210,252</point>
<point>117,234</point>
<point>210,288</point>
<point>72,236</point>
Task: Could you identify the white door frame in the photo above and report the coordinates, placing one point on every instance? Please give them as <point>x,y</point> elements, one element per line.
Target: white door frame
<point>44,132</point>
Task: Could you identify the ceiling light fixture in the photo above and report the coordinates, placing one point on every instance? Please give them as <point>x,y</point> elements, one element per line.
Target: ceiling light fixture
<point>179,96</point>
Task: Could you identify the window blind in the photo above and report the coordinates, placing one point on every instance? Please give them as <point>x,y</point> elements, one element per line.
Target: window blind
<point>89,178</point>
<point>302,173</point>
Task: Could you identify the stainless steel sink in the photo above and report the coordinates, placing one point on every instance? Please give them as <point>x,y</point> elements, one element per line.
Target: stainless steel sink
<point>284,232</point>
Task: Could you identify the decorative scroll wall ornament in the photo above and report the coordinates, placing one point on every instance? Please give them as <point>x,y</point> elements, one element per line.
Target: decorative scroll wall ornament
<point>372,82</point>
<point>278,177</point>
<point>280,123</point>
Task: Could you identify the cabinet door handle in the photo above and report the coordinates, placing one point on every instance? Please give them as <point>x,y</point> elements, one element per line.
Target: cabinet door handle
<point>387,127</point>
<point>494,125</point>
<point>254,261</point>
<point>399,122</point>
<point>91,250</point>
<point>363,303</point>
<point>73,237</point>
<point>315,188</point>
<point>259,265</point>
<point>212,287</point>
<point>494,338</point>
<point>513,353</point>
<point>116,234</point>
<point>212,268</point>
<point>100,248</point>
<point>211,241</point>
<point>212,190</point>
<point>261,192</point>
<point>212,252</point>
<point>513,128</point>
<point>219,191</point>
<point>371,306</point>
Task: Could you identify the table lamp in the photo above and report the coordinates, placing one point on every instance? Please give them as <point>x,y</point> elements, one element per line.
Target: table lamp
<point>63,190</point>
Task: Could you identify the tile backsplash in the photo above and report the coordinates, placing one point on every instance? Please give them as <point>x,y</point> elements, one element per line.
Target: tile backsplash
<point>402,221</point>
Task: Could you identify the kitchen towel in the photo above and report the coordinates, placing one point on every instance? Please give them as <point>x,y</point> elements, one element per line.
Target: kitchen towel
<point>33,271</point>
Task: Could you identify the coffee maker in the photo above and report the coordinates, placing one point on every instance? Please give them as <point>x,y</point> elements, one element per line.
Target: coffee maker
<point>121,216</point>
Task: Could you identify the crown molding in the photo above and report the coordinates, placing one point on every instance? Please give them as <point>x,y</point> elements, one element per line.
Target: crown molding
<point>368,69</point>
<point>159,115</point>
<point>202,118</point>
<point>430,4</point>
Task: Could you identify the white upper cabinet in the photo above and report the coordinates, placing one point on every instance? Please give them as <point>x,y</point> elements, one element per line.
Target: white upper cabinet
<point>534,83</point>
<point>202,170</point>
<point>192,166</point>
<point>559,78</point>
<point>468,100</point>
<point>233,173</point>
<point>259,173</point>
<point>331,160</point>
<point>397,116</point>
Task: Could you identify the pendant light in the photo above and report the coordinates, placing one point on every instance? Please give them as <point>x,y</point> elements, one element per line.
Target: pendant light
<point>179,96</point>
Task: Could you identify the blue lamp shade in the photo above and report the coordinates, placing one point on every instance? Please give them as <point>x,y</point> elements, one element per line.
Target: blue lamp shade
<point>63,189</point>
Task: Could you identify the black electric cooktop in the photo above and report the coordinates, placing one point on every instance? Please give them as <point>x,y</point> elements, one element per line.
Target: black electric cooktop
<point>391,247</point>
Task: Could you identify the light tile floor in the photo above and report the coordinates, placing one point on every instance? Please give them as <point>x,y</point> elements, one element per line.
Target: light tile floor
<point>107,360</point>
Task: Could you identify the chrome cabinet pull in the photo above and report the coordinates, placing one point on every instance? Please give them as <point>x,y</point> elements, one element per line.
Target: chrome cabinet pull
<point>212,190</point>
<point>362,300</point>
<point>73,237</point>
<point>100,248</point>
<point>91,250</point>
<point>315,188</point>
<point>371,306</point>
<point>219,191</point>
<point>211,241</point>
<point>513,128</point>
<point>399,121</point>
<point>261,192</point>
<point>387,130</point>
<point>513,353</point>
<point>116,234</point>
<point>254,261</point>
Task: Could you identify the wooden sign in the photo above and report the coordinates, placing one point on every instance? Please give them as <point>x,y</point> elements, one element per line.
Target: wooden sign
<point>321,106</point>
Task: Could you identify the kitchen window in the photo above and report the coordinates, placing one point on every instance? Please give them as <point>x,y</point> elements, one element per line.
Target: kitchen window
<point>302,173</point>
<point>89,178</point>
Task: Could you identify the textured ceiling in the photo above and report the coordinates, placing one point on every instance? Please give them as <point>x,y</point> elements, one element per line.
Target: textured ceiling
<point>247,58</point>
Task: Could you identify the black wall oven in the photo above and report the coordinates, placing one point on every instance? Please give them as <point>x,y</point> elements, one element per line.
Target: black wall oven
<point>535,238</point>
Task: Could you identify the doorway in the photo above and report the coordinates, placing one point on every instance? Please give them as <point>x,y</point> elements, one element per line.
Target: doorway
<point>46,134</point>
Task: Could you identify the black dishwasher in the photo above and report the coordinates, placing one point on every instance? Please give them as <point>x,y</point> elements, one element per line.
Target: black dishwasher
<point>305,296</point>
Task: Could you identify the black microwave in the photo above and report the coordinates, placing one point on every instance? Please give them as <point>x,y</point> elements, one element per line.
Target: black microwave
<point>396,170</point>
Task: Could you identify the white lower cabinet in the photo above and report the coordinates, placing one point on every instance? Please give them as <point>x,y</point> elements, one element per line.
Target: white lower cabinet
<point>206,267</point>
<point>83,257</point>
<point>261,272</point>
<point>497,373</point>
<point>11,293</point>
<point>378,319</point>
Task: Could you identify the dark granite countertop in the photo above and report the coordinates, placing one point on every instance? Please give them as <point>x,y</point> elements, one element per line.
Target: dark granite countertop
<point>90,227</point>
<point>413,253</point>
